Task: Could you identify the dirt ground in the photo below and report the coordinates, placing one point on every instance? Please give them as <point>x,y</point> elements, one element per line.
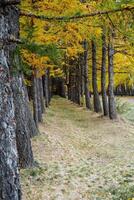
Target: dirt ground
<point>80,155</point>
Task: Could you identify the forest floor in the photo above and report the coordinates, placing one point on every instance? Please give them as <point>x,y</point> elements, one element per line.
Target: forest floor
<point>80,155</point>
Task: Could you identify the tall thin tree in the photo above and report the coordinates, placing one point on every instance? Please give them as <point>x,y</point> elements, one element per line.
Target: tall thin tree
<point>112,106</point>
<point>103,73</point>
<point>96,99</point>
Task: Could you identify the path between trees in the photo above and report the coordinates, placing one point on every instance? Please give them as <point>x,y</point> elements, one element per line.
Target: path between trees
<point>80,156</point>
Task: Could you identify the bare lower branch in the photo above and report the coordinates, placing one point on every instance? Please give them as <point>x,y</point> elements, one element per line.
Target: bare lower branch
<point>10,40</point>
<point>64,18</point>
<point>9,2</point>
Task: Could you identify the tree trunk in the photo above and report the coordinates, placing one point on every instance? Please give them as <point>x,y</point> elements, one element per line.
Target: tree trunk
<point>35,101</point>
<point>49,85</point>
<point>77,85</point>
<point>23,131</point>
<point>46,88</point>
<point>85,75</point>
<point>112,107</point>
<point>9,176</point>
<point>81,74</point>
<point>31,124</point>
<point>39,100</point>
<point>41,95</point>
<point>96,99</point>
<point>103,75</point>
<point>63,90</point>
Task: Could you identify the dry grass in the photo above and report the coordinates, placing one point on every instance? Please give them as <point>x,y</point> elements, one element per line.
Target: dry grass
<point>80,155</point>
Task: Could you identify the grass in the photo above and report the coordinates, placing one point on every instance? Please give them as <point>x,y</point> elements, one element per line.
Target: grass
<point>125,108</point>
<point>80,156</point>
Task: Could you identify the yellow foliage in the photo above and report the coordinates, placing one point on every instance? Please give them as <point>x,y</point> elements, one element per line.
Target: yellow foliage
<point>35,62</point>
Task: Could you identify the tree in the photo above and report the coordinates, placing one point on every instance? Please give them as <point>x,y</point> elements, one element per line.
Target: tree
<point>9,176</point>
<point>103,74</point>
<point>23,117</point>
<point>85,76</point>
<point>112,107</point>
<point>97,104</point>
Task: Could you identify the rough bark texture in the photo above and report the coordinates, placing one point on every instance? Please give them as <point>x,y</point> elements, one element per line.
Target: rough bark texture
<point>30,121</point>
<point>112,107</point>
<point>9,176</point>
<point>85,75</point>
<point>23,131</point>
<point>96,99</point>
<point>103,75</point>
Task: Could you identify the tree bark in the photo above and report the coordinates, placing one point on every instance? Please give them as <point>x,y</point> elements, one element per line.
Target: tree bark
<point>9,176</point>
<point>81,74</point>
<point>85,75</point>
<point>23,131</point>
<point>96,99</point>
<point>103,74</point>
<point>41,95</point>
<point>77,85</point>
<point>112,106</point>
<point>31,124</point>
<point>49,85</point>
<point>35,101</point>
<point>39,100</point>
<point>46,88</point>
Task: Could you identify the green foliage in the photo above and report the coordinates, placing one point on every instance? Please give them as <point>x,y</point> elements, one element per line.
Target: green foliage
<point>17,63</point>
<point>49,50</point>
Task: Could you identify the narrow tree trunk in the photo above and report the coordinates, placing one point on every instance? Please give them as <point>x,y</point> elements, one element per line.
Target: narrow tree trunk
<point>103,75</point>
<point>41,95</point>
<point>39,100</point>
<point>49,85</point>
<point>112,107</point>
<point>85,75</point>
<point>81,72</point>
<point>63,90</point>
<point>46,89</point>
<point>35,101</point>
<point>30,121</point>
<point>22,126</point>
<point>78,88</point>
<point>96,99</point>
<point>9,176</point>
<point>70,85</point>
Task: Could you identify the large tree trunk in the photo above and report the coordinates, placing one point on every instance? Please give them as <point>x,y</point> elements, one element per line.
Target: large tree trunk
<point>112,106</point>
<point>9,176</point>
<point>85,75</point>
<point>103,75</point>
<point>96,99</point>
<point>23,131</point>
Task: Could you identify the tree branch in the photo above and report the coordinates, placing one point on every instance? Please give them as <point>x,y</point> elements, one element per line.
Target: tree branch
<point>10,40</point>
<point>64,18</point>
<point>9,2</point>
